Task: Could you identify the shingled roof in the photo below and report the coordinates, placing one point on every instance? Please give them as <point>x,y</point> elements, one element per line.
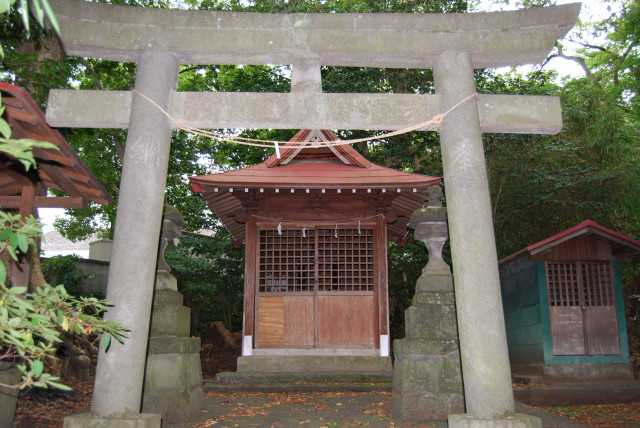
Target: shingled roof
<point>621,245</point>
<point>57,169</point>
<point>313,168</point>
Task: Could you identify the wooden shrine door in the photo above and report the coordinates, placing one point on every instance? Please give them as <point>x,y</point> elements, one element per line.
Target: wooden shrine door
<point>316,288</point>
<point>582,308</point>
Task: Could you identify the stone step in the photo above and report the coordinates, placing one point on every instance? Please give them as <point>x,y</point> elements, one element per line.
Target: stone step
<point>291,382</point>
<point>306,364</point>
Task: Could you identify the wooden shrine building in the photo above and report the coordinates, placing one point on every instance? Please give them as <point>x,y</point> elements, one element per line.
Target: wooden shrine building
<point>315,223</point>
<point>564,307</point>
<point>24,191</point>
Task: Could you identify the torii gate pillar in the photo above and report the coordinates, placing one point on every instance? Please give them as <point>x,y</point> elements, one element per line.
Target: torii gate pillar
<point>135,247</point>
<point>483,342</point>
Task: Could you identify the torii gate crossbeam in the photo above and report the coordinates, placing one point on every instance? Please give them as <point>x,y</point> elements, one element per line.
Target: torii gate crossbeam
<point>452,44</point>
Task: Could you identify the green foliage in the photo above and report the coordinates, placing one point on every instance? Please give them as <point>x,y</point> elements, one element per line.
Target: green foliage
<point>20,149</point>
<point>64,270</point>
<point>31,324</point>
<point>210,275</point>
<point>405,267</point>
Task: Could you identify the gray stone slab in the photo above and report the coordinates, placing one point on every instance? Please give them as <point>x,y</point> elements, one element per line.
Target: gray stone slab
<point>88,419</point>
<point>339,377</point>
<point>587,372</point>
<point>110,109</point>
<point>307,364</point>
<point>89,109</point>
<point>492,39</point>
<point>520,420</point>
<point>174,345</point>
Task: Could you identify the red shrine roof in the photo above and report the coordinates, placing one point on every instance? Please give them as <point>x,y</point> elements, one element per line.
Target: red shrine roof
<point>58,169</point>
<point>314,167</point>
<point>622,245</point>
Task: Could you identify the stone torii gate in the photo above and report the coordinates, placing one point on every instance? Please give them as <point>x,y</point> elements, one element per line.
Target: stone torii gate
<point>453,45</point>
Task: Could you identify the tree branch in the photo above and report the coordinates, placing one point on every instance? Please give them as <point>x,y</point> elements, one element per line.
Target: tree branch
<point>418,160</point>
<point>195,67</point>
<point>578,60</point>
<point>97,82</point>
<point>266,70</point>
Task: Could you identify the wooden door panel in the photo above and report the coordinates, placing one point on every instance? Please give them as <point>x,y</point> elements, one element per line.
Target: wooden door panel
<point>271,321</point>
<point>602,330</point>
<point>298,321</point>
<point>567,330</point>
<point>346,320</point>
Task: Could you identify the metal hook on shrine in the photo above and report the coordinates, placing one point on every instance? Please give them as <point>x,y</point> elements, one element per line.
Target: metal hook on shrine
<point>279,228</point>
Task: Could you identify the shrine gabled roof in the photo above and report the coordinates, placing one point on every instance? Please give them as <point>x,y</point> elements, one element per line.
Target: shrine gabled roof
<point>58,169</point>
<point>622,245</point>
<point>317,167</point>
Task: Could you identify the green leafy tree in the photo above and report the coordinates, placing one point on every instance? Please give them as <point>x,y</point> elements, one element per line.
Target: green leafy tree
<point>210,275</point>
<point>64,270</point>
<point>31,324</point>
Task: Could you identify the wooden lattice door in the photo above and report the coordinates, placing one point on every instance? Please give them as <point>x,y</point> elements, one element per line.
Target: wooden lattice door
<point>316,288</point>
<point>582,308</point>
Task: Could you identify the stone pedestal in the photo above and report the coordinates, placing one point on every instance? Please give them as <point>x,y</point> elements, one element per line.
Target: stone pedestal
<point>173,376</point>
<point>427,378</point>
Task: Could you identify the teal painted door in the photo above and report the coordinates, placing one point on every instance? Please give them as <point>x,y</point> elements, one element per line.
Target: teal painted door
<point>582,309</point>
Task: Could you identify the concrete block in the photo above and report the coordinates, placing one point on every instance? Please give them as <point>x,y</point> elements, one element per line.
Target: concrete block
<point>170,320</point>
<point>450,374</point>
<point>431,321</point>
<point>313,363</point>
<point>175,406</point>
<point>518,421</point>
<point>235,378</point>
<point>166,281</point>
<point>167,296</point>
<point>173,345</point>
<point>435,282</point>
<point>193,369</point>
<point>88,419</point>
<point>434,298</point>
<point>588,372</point>
<point>100,250</point>
<point>165,372</point>
<point>417,346</point>
<point>416,375</point>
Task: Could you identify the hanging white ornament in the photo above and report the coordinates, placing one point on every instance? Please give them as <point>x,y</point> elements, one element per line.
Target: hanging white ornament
<point>336,232</point>
<point>359,232</point>
<point>279,228</point>
<point>304,232</point>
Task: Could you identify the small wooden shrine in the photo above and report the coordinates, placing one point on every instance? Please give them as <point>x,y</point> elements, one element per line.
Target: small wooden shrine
<point>25,191</point>
<point>564,307</point>
<point>315,223</point>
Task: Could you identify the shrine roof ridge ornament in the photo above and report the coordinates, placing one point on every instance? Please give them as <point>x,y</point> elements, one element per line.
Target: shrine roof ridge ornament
<point>492,39</point>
